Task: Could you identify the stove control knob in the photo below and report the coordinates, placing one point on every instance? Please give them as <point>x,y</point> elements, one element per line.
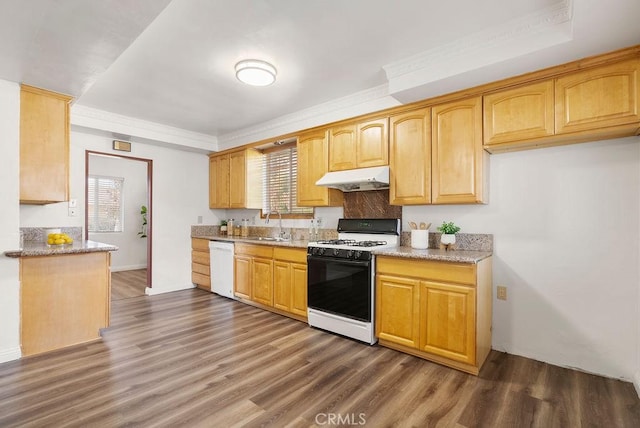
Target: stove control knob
<point>335,251</point>
<point>349,254</point>
<point>358,254</point>
<point>320,251</point>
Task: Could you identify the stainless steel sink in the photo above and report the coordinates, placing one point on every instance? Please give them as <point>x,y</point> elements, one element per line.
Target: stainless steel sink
<point>265,238</point>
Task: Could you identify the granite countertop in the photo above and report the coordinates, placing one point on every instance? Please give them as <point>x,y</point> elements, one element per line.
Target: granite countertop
<point>291,244</point>
<point>458,256</point>
<point>32,248</point>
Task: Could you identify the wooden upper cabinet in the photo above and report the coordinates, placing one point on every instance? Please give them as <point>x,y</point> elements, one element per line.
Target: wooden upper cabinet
<point>373,143</point>
<point>44,146</point>
<point>359,145</point>
<point>235,180</point>
<point>313,163</point>
<point>410,158</point>
<point>517,114</point>
<point>600,97</point>
<point>219,181</point>
<point>458,158</point>
<point>342,148</point>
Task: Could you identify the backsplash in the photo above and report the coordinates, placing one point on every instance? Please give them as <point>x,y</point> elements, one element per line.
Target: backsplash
<point>370,204</point>
<point>36,234</point>
<point>464,241</point>
<point>297,233</point>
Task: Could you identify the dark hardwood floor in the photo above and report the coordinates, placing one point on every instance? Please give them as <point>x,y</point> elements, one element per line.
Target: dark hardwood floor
<point>191,358</point>
<point>128,283</point>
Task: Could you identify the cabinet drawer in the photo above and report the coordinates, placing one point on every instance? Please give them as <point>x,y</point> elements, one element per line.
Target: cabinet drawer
<point>200,257</point>
<point>462,273</point>
<point>200,279</point>
<point>254,250</point>
<point>298,255</point>
<point>200,244</point>
<point>202,269</point>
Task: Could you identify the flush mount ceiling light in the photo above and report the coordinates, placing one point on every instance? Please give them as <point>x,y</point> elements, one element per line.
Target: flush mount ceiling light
<point>255,72</point>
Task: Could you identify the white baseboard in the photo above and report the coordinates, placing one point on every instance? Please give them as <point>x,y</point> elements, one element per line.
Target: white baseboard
<point>636,382</point>
<point>156,290</point>
<point>10,354</point>
<point>128,267</point>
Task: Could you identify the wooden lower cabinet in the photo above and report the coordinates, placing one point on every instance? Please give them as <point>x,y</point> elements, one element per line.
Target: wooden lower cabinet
<point>64,300</point>
<point>439,311</point>
<point>272,278</point>
<point>200,270</point>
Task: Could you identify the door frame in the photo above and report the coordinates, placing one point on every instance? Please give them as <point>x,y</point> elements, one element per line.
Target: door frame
<point>149,163</point>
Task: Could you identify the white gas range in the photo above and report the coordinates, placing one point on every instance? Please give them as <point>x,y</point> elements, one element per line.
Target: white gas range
<point>341,276</point>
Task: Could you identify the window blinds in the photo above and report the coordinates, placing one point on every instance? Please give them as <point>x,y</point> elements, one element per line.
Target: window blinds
<point>105,205</point>
<point>280,180</point>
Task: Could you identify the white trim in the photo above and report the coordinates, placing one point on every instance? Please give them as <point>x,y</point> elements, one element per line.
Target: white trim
<point>127,267</point>
<point>91,118</point>
<point>10,354</point>
<point>156,290</point>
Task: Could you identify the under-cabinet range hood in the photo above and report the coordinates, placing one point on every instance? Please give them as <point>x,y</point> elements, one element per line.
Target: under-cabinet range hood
<point>354,180</point>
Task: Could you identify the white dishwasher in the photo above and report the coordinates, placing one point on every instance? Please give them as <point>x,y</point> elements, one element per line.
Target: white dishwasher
<point>221,266</point>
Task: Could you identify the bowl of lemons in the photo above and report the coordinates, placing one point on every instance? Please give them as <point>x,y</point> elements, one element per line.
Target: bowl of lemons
<point>58,239</point>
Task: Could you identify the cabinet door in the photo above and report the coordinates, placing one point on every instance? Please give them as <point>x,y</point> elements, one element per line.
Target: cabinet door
<point>313,163</point>
<point>342,148</point>
<point>600,97</point>
<point>457,152</point>
<point>237,180</point>
<point>299,289</point>
<point>242,276</point>
<point>219,181</point>
<point>410,158</point>
<point>519,114</point>
<point>448,321</point>
<point>44,146</point>
<point>373,143</point>
<point>398,310</point>
<point>262,281</point>
<point>282,285</point>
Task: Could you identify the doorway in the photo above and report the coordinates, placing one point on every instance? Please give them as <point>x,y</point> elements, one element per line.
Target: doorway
<point>131,230</point>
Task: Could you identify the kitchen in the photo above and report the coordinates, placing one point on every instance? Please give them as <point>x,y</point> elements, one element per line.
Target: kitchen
<point>561,207</point>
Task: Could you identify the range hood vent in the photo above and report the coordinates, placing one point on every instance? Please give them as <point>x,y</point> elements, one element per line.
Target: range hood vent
<point>354,180</point>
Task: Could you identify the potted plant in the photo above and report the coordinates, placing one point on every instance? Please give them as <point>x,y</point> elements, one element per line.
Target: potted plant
<point>449,231</point>
<point>143,228</point>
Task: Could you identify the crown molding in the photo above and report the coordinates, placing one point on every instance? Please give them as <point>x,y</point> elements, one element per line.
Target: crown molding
<point>535,31</point>
<point>94,119</point>
<point>376,98</point>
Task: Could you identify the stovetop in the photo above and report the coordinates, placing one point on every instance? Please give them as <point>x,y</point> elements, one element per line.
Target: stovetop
<point>349,243</point>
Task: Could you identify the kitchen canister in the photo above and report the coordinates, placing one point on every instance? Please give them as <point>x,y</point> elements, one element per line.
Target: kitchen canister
<point>420,239</point>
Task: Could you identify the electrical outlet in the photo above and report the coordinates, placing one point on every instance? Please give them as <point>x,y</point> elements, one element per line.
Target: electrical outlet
<point>502,292</point>
<point>199,219</point>
<point>73,212</point>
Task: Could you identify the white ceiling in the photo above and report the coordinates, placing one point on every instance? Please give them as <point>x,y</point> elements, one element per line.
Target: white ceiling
<point>171,62</point>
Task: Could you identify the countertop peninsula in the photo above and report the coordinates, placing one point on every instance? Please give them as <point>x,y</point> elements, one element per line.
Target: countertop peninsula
<point>33,248</point>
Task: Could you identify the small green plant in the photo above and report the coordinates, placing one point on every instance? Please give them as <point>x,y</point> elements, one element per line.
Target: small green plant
<point>223,222</point>
<point>448,228</point>
<point>143,228</point>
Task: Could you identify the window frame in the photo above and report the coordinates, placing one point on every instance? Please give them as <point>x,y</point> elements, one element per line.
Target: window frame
<point>294,198</point>
<point>95,201</point>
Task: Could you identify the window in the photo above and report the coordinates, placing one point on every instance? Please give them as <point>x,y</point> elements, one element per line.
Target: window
<point>280,171</point>
<point>104,203</point>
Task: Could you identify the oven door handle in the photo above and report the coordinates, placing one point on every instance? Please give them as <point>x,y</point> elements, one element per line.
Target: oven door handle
<point>342,261</point>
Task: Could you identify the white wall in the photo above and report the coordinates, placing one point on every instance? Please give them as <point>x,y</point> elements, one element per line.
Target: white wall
<point>132,253</point>
<point>180,195</point>
<point>565,224</point>
<point>10,220</point>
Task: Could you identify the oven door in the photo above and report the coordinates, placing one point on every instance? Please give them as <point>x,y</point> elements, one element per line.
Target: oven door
<point>341,287</point>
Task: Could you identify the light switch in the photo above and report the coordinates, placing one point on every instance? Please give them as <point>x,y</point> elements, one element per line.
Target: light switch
<point>73,203</point>
<point>73,212</point>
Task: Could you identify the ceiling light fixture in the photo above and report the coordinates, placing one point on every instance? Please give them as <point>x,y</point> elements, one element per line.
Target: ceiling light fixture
<point>255,72</point>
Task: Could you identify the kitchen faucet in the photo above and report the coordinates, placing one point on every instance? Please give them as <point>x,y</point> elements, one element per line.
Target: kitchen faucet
<point>280,233</point>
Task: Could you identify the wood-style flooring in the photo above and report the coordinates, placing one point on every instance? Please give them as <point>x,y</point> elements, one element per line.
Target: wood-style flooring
<point>128,283</point>
<point>191,358</point>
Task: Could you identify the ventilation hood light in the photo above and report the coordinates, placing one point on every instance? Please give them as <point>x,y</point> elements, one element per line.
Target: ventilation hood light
<point>255,72</point>
<point>354,180</point>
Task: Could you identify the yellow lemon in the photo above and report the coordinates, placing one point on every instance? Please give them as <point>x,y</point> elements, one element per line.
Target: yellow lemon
<point>59,241</point>
<point>50,241</point>
<point>68,240</point>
